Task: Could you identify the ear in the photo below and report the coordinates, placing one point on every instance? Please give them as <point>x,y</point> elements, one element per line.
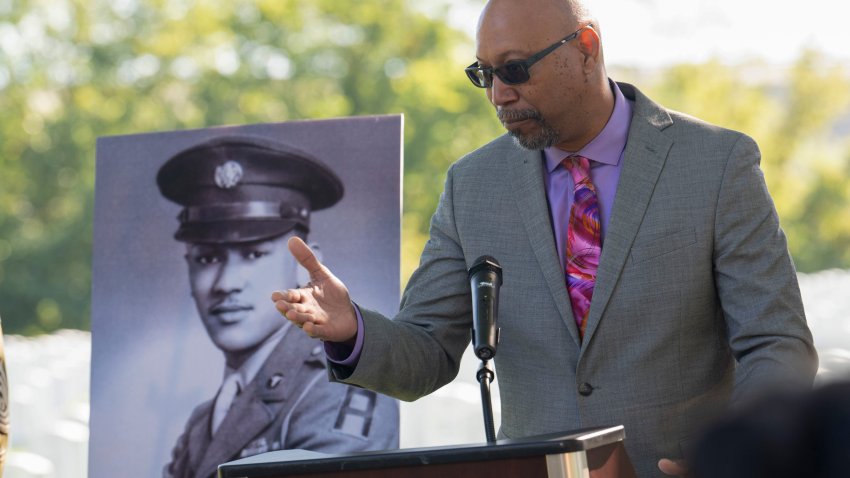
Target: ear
<point>302,277</point>
<point>589,44</point>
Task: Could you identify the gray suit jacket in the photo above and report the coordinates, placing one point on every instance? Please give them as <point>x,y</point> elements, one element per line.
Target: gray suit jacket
<point>289,404</point>
<point>696,298</point>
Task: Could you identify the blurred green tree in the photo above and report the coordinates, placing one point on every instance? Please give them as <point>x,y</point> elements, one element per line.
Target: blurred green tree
<point>73,70</point>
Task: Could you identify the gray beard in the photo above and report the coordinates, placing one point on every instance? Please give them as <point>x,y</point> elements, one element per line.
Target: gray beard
<point>546,137</point>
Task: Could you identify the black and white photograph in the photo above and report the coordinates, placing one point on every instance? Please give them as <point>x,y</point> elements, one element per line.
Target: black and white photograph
<point>192,365</point>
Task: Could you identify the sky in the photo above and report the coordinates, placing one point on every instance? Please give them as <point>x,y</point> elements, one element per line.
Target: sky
<point>654,33</point>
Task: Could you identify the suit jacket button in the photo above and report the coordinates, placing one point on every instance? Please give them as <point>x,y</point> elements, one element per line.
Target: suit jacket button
<point>585,389</point>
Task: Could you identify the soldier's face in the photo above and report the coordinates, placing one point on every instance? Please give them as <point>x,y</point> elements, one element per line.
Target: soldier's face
<point>231,284</point>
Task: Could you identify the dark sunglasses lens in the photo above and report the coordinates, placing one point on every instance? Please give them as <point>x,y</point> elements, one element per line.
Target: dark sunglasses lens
<point>513,73</point>
<point>480,78</point>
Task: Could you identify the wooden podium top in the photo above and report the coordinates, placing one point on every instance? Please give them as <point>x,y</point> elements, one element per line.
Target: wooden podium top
<point>298,462</point>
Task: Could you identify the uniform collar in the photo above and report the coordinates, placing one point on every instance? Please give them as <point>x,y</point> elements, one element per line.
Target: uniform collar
<point>255,362</point>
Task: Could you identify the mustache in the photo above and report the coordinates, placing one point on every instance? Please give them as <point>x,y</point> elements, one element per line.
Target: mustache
<point>229,305</point>
<point>518,114</point>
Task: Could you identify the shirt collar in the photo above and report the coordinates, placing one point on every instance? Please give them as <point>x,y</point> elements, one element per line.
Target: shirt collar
<point>607,147</point>
<point>252,365</point>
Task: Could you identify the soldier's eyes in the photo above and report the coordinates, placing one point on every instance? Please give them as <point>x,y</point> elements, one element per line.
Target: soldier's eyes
<point>255,254</point>
<point>207,259</point>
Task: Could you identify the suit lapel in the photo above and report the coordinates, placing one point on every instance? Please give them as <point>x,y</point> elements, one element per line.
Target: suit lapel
<point>198,439</point>
<point>646,152</point>
<point>246,419</point>
<point>256,408</point>
<point>534,209</point>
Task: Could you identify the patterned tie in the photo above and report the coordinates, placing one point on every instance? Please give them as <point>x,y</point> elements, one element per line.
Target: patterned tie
<point>584,242</point>
<point>227,393</point>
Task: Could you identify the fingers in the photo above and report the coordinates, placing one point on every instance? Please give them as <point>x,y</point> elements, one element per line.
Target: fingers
<point>299,316</point>
<point>289,305</point>
<point>287,302</point>
<point>305,256</point>
<point>292,296</point>
<point>290,309</point>
<point>304,322</point>
<point>310,329</point>
<point>672,467</point>
<point>294,313</point>
<point>284,301</point>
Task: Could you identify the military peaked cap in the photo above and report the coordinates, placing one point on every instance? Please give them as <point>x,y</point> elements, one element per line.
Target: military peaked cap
<point>245,188</point>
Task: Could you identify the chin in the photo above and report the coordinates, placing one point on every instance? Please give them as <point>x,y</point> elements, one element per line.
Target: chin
<point>237,344</point>
<point>532,142</point>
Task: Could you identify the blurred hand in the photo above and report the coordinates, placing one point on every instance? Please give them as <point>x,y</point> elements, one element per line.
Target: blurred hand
<point>673,467</point>
<point>323,307</point>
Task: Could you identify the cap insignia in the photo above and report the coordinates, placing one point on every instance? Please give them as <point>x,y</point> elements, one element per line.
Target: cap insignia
<point>228,175</point>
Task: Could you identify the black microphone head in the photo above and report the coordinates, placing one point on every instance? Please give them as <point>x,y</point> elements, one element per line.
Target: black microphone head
<point>488,263</point>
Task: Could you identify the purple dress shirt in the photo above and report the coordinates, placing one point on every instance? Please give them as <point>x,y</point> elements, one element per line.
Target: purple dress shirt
<point>605,153</point>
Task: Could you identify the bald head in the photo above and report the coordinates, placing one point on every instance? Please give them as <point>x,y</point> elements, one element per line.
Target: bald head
<point>564,99</point>
<point>535,14</point>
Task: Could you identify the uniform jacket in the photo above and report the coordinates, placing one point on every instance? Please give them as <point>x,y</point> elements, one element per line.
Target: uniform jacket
<point>696,299</point>
<point>289,404</point>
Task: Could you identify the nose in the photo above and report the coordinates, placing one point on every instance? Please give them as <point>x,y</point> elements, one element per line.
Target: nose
<point>500,93</point>
<point>231,277</point>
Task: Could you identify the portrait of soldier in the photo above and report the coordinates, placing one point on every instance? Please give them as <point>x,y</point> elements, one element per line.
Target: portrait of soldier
<point>242,198</point>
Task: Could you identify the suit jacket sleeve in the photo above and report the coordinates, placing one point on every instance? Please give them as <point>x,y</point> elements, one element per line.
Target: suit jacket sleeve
<point>756,282</point>
<point>420,350</point>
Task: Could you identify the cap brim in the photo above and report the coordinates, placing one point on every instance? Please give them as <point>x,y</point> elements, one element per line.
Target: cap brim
<point>226,232</point>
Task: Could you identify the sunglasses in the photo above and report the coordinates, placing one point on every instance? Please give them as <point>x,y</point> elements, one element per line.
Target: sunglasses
<point>513,72</point>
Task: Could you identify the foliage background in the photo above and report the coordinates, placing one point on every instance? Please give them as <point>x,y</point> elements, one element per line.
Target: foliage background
<point>74,70</point>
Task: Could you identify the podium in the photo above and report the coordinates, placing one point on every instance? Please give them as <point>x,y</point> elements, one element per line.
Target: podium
<point>587,453</point>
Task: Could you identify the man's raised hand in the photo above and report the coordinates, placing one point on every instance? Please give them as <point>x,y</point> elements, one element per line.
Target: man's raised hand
<point>322,307</point>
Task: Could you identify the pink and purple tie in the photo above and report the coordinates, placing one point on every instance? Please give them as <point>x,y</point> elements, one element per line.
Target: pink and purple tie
<point>584,241</point>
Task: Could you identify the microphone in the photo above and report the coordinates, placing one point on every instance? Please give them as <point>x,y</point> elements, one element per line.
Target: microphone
<point>485,278</point>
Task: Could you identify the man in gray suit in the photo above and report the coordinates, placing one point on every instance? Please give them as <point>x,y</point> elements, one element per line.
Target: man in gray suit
<point>243,198</point>
<point>694,299</point>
